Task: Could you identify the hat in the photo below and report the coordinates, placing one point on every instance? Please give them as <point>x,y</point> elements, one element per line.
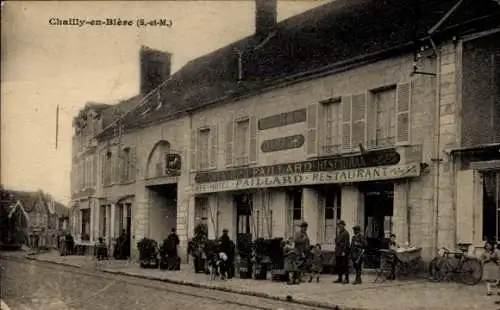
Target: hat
<point>225,230</point>
<point>356,228</point>
<point>341,222</point>
<point>304,224</point>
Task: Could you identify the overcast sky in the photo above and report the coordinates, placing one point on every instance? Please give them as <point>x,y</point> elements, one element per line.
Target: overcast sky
<point>44,66</point>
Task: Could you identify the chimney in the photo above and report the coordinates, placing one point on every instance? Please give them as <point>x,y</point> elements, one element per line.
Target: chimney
<point>155,68</point>
<point>265,17</point>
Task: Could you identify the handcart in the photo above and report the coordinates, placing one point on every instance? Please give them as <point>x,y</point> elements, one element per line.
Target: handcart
<point>408,261</point>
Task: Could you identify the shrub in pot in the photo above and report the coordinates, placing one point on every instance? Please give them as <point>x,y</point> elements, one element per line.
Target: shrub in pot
<point>148,253</point>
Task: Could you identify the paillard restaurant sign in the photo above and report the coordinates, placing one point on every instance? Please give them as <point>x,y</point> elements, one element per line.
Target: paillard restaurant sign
<point>375,165</point>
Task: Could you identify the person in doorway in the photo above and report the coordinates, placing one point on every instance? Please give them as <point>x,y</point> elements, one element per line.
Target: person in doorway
<point>342,242</point>
<point>302,244</point>
<point>172,244</point>
<point>358,246</point>
<point>227,246</point>
<point>393,245</point>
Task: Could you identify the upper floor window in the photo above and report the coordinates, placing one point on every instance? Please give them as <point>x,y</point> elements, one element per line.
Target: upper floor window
<point>204,149</point>
<point>384,118</point>
<point>125,165</point>
<point>333,121</point>
<point>107,168</point>
<point>242,130</point>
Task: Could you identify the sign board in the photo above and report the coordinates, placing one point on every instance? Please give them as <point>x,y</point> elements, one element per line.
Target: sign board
<point>282,143</point>
<point>332,163</point>
<point>313,178</point>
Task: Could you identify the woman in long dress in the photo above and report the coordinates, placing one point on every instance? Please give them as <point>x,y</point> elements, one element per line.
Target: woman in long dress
<point>490,261</point>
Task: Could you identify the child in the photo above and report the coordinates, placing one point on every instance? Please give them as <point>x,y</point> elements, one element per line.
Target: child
<point>490,260</point>
<point>316,262</point>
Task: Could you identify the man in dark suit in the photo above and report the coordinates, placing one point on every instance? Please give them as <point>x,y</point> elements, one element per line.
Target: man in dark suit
<point>342,243</point>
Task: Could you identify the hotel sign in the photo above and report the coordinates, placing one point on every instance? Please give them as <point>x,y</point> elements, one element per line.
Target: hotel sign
<point>332,163</point>
<point>313,178</point>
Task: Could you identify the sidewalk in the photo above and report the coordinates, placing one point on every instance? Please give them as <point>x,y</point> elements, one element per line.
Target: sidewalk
<point>418,294</point>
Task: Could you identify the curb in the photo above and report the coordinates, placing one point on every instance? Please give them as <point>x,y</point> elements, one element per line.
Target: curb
<point>288,299</point>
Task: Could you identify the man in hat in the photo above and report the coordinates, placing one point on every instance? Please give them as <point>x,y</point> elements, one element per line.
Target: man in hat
<point>302,244</point>
<point>358,246</point>
<point>342,242</point>
<point>227,246</point>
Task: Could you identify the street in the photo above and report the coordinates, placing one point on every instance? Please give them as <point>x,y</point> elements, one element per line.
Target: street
<point>30,285</point>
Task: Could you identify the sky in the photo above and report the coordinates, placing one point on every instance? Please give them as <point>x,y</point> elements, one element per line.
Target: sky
<point>44,66</point>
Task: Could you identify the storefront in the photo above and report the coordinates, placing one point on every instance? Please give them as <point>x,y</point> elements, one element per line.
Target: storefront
<point>271,201</point>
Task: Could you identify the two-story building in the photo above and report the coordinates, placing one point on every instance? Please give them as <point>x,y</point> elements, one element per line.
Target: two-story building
<point>353,110</point>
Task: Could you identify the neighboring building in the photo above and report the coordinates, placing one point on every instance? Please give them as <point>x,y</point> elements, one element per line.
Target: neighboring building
<point>347,111</point>
<point>43,220</point>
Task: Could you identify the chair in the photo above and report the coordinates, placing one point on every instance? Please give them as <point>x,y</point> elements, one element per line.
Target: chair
<point>386,269</point>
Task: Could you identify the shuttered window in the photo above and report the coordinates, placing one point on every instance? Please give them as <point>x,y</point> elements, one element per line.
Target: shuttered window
<point>229,135</point>
<point>132,164</point>
<point>346,123</point>
<point>383,118</point>
<point>242,141</point>
<point>332,140</point>
<point>468,199</point>
<point>194,147</point>
<point>214,146</point>
<point>403,104</point>
<point>203,149</point>
<point>312,130</point>
<point>358,120</point>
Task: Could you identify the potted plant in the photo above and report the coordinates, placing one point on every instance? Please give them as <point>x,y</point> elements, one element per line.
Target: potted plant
<point>148,253</point>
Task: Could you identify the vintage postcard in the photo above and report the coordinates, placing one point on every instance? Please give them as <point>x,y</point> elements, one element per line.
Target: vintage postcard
<point>252,154</point>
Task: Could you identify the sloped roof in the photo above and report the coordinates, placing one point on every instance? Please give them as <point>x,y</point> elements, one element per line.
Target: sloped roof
<point>333,33</point>
<point>30,199</point>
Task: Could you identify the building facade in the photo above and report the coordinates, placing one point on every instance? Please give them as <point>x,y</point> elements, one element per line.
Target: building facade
<point>312,120</point>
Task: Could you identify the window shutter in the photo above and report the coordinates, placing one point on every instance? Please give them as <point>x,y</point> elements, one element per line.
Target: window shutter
<point>132,165</point>
<point>214,142</point>
<point>469,202</point>
<point>312,130</point>
<point>403,102</point>
<point>253,149</point>
<point>103,168</point>
<point>358,120</point>
<point>194,146</point>
<point>94,170</point>
<point>322,128</point>
<point>346,124</point>
<point>229,143</point>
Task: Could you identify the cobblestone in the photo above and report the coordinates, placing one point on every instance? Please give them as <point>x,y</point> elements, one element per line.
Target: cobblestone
<point>417,294</point>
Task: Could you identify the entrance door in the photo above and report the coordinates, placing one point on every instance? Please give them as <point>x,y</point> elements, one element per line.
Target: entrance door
<point>243,217</point>
<point>379,201</point>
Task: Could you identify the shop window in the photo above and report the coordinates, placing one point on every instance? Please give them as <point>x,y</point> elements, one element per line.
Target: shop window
<point>332,214</point>
<point>85,228</point>
<point>295,214</point>
<point>491,206</point>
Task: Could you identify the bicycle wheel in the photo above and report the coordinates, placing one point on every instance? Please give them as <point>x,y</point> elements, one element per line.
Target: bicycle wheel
<point>471,271</point>
<point>445,269</point>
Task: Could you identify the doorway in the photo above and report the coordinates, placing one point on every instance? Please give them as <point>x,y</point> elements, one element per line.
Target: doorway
<point>244,212</point>
<point>162,211</point>
<point>379,209</point>
<point>128,229</point>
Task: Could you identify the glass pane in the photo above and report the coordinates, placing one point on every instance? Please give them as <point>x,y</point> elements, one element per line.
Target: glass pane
<point>489,206</point>
<point>329,213</point>
<point>297,214</point>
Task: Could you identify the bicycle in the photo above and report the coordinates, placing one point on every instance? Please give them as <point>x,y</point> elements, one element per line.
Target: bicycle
<point>456,266</point>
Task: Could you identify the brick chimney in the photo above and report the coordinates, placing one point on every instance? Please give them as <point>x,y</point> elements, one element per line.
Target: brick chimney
<point>265,17</point>
<point>155,68</point>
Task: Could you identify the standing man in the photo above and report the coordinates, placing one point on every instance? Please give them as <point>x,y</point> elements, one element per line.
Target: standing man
<point>342,241</point>
<point>227,246</point>
<point>358,246</point>
<point>302,244</point>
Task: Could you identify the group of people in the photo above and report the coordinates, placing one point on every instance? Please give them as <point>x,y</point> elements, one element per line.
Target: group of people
<point>301,257</point>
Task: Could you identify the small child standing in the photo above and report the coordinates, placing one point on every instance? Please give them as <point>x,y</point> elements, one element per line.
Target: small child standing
<point>316,262</point>
<point>490,260</point>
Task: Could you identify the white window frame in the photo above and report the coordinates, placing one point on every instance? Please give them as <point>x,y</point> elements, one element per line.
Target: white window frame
<point>199,162</point>
<point>237,145</point>
<point>390,118</point>
<point>328,147</point>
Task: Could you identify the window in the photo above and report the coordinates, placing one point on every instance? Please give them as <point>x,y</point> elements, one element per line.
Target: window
<point>242,143</point>
<point>332,125</point>
<point>204,149</point>
<point>491,205</point>
<point>332,214</point>
<point>126,175</point>
<point>107,169</point>
<point>294,212</point>
<point>85,228</point>
<point>384,117</point>
<point>201,208</point>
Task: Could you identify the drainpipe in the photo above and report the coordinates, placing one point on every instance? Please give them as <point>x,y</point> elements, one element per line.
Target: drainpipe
<point>437,154</point>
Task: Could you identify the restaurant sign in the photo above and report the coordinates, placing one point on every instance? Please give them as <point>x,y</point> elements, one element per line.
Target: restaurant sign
<point>313,178</point>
